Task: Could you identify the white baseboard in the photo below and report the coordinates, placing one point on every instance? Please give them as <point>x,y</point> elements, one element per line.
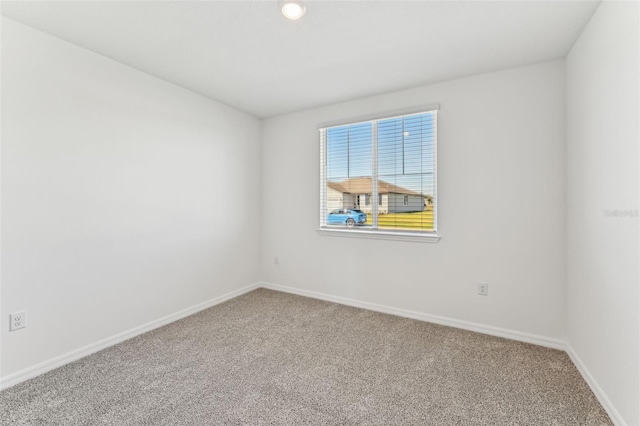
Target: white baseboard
<point>43,367</point>
<point>420,316</point>
<point>614,415</point>
<point>59,361</point>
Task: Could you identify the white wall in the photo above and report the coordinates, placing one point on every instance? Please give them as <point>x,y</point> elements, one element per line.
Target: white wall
<point>602,72</point>
<point>124,198</point>
<point>501,206</point>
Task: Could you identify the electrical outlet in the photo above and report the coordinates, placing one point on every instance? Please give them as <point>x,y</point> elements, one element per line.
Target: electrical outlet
<point>276,261</point>
<point>483,289</point>
<point>17,321</point>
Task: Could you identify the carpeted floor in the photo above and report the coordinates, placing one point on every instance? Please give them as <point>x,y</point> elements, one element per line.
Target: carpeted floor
<point>274,358</point>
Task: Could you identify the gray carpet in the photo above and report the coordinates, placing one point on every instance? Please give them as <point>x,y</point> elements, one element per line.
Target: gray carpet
<point>274,358</point>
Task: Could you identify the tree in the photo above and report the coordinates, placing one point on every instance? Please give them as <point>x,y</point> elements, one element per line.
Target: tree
<point>429,201</point>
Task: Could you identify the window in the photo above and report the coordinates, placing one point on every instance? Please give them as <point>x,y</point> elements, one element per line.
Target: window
<point>392,162</point>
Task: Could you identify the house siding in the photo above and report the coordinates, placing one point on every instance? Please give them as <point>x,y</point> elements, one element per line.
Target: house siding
<point>383,206</point>
<point>334,199</point>
<point>415,203</point>
<point>390,203</point>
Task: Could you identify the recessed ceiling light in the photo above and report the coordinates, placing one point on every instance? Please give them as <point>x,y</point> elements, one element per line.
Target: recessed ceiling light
<point>292,9</point>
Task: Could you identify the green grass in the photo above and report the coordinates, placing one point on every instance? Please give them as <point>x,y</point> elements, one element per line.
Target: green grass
<point>416,220</point>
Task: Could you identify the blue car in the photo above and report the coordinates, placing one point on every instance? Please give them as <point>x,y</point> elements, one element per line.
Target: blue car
<point>348,217</point>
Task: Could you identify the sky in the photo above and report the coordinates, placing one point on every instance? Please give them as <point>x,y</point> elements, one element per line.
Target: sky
<point>405,151</point>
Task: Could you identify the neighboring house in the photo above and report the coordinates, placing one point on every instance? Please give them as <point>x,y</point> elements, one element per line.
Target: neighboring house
<point>356,193</point>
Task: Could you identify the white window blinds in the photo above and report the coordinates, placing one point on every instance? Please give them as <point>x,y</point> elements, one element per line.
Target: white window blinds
<point>380,175</point>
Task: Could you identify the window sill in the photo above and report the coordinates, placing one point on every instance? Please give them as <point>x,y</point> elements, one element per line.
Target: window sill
<point>380,235</point>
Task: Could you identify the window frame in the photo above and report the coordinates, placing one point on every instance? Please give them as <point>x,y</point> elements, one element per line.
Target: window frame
<point>388,234</point>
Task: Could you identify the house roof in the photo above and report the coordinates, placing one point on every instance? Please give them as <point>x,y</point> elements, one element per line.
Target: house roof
<point>363,186</point>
